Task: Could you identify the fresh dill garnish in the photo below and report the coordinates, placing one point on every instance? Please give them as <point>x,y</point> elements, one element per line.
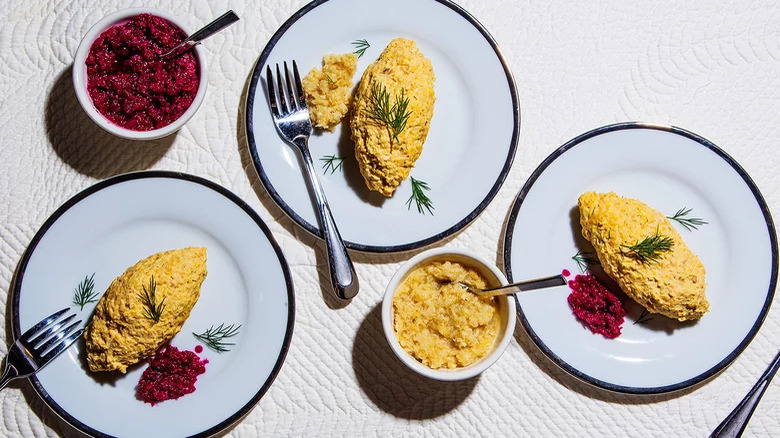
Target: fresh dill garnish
<point>690,223</point>
<point>644,318</point>
<point>214,337</point>
<point>393,116</point>
<point>650,248</point>
<point>331,163</point>
<point>153,310</point>
<point>585,258</point>
<point>329,79</point>
<point>419,197</point>
<point>85,292</point>
<point>360,47</point>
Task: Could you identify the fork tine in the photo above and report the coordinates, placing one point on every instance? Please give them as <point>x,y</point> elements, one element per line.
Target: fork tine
<point>292,93</point>
<point>282,103</point>
<point>37,327</point>
<point>52,328</point>
<point>299,86</point>
<point>62,346</point>
<point>269,81</point>
<point>56,336</point>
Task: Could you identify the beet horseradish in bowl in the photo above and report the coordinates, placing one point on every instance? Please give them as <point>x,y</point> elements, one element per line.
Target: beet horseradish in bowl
<point>125,87</point>
<point>439,329</point>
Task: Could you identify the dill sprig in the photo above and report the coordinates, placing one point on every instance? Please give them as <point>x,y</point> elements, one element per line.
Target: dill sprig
<point>394,115</point>
<point>644,318</point>
<point>214,337</point>
<point>690,223</point>
<point>360,47</point>
<point>85,292</point>
<point>153,310</point>
<point>329,79</point>
<point>650,248</point>
<point>585,258</point>
<point>331,163</point>
<point>419,197</point>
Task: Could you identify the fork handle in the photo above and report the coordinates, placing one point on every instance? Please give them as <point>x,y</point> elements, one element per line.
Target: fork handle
<point>342,273</point>
<point>9,374</point>
<point>737,420</point>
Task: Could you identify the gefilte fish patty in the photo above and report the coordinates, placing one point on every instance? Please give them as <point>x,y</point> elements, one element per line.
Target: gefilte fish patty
<point>385,161</point>
<point>121,333</point>
<point>673,285</point>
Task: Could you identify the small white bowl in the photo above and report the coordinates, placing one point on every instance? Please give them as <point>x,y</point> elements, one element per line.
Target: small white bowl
<point>506,303</point>
<point>80,77</point>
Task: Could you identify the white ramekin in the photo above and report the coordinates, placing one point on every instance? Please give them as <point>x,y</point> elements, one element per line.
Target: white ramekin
<point>506,303</point>
<point>80,77</point>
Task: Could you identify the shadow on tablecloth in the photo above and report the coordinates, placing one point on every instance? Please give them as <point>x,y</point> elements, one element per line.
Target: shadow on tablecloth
<point>88,148</point>
<point>392,386</point>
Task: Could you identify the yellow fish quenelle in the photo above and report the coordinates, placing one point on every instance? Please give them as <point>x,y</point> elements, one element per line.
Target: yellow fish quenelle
<point>144,308</point>
<point>639,249</point>
<point>391,115</point>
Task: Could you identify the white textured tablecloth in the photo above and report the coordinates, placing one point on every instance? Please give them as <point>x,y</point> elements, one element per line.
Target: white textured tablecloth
<point>710,67</point>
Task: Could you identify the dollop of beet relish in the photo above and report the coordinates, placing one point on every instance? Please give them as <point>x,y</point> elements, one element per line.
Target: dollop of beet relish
<point>597,307</point>
<point>171,374</point>
<point>130,85</point>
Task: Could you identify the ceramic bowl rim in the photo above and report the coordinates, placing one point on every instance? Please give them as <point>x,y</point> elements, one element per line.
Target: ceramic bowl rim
<point>80,76</point>
<point>508,306</point>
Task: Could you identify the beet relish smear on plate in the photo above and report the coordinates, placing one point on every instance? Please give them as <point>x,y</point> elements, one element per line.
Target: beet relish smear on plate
<point>597,307</point>
<point>171,374</point>
<point>127,82</point>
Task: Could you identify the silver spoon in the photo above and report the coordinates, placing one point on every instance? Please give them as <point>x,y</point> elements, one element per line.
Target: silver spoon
<point>208,30</point>
<point>522,286</point>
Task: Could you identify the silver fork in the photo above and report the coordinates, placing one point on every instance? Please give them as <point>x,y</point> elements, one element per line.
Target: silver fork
<point>736,421</point>
<point>39,345</point>
<point>291,117</point>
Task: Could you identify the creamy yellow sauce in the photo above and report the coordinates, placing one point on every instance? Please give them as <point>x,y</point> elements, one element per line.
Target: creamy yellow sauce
<point>439,322</point>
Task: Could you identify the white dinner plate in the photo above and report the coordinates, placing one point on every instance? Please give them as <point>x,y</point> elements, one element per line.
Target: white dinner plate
<point>468,151</point>
<point>668,168</point>
<point>109,227</point>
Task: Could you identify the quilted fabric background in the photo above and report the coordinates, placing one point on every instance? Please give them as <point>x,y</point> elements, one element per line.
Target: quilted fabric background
<point>710,67</point>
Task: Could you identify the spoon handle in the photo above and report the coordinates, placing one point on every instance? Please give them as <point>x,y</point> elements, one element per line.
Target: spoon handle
<point>539,283</point>
<point>215,26</point>
<point>193,40</point>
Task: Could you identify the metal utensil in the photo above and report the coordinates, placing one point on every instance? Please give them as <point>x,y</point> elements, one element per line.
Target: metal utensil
<point>522,286</point>
<point>208,30</point>
<point>39,345</point>
<point>734,424</point>
<point>291,117</point>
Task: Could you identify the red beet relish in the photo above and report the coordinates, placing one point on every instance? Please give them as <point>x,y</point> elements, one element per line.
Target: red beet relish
<point>171,374</point>
<point>129,85</point>
<point>592,303</point>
